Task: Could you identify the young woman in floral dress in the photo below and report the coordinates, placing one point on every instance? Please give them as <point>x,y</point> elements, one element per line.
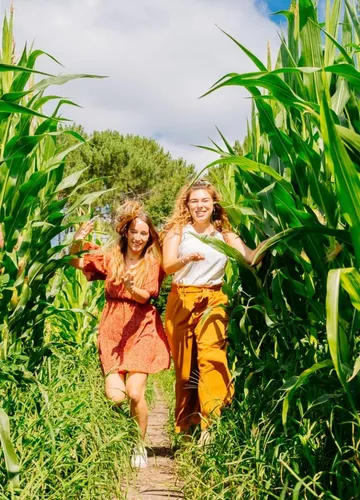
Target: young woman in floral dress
<point>131,339</point>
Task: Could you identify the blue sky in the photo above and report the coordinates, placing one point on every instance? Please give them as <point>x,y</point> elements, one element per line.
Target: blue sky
<point>275,5</point>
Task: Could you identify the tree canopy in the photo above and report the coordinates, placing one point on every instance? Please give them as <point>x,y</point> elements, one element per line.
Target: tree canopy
<point>138,167</point>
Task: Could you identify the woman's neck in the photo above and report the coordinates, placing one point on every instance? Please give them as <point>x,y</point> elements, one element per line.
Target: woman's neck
<point>203,227</point>
<point>131,256</point>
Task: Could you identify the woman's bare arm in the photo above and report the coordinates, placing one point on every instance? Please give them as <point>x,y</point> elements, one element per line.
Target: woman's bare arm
<point>77,243</point>
<point>171,262</point>
<point>236,242</point>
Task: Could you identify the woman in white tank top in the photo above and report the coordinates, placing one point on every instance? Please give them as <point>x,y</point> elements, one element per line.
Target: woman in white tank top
<point>195,317</point>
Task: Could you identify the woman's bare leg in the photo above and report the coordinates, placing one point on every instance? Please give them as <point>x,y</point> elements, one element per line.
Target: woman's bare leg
<point>135,389</point>
<point>115,389</point>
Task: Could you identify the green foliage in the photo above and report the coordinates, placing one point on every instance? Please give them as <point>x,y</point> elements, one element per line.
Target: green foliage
<point>71,442</point>
<point>33,194</point>
<point>295,180</point>
<point>11,461</point>
<point>76,306</point>
<point>137,167</point>
<point>249,459</point>
<point>160,302</point>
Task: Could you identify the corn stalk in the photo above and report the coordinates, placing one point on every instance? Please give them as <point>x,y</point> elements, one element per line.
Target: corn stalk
<point>295,180</point>
<point>35,207</point>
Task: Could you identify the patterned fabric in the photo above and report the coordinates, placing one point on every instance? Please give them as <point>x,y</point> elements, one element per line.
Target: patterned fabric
<point>131,335</point>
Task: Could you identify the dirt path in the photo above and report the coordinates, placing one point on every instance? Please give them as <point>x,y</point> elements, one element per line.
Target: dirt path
<point>158,481</point>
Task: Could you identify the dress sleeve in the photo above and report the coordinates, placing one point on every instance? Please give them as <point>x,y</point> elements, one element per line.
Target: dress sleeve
<point>95,266</point>
<point>154,279</point>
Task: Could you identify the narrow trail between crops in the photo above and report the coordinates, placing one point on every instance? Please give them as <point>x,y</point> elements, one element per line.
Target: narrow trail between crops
<point>158,480</point>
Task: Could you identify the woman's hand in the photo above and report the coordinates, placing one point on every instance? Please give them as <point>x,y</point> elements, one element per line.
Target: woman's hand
<point>129,282</point>
<point>139,295</point>
<point>76,244</point>
<point>84,230</point>
<point>192,257</point>
<point>172,263</point>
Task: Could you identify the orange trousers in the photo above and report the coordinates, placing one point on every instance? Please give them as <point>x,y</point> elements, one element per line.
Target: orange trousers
<point>195,325</point>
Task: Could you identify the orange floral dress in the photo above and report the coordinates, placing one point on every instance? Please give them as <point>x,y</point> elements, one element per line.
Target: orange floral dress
<point>131,335</point>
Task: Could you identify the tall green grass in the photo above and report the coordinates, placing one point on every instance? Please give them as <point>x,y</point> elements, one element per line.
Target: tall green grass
<point>76,307</point>
<point>70,441</point>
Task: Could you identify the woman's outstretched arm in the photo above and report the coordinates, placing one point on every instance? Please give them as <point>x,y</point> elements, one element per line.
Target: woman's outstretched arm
<point>77,242</point>
<point>236,242</point>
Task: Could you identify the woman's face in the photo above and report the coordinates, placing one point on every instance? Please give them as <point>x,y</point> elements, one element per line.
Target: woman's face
<point>137,236</point>
<point>200,204</point>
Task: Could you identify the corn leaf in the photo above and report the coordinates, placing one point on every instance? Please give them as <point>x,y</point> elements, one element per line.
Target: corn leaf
<point>346,176</point>
<point>11,462</point>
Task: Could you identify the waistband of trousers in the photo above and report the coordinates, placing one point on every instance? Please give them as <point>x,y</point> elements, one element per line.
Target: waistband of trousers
<point>194,289</point>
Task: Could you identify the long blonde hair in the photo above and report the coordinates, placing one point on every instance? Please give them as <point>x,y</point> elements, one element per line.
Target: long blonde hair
<point>181,215</point>
<point>127,213</point>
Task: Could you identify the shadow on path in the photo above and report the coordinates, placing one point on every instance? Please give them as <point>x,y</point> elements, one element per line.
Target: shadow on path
<point>160,451</point>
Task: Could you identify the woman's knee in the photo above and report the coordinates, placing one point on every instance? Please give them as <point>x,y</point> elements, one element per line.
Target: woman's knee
<point>135,394</point>
<point>215,351</point>
<point>115,394</point>
<point>115,388</point>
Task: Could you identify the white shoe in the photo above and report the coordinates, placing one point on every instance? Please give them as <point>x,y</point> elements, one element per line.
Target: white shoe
<point>139,458</point>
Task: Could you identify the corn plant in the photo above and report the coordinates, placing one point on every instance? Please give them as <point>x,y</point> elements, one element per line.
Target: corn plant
<point>295,180</point>
<point>35,200</point>
<point>76,306</point>
<point>35,207</point>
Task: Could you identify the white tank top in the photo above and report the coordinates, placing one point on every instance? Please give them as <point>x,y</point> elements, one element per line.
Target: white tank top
<point>208,272</point>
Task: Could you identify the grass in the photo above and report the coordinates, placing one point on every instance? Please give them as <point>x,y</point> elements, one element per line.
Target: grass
<point>231,466</point>
<point>249,457</point>
<point>165,381</point>
<point>71,442</point>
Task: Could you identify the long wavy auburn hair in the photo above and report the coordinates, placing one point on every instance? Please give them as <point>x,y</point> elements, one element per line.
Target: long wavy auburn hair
<point>181,215</point>
<point>116,252</point>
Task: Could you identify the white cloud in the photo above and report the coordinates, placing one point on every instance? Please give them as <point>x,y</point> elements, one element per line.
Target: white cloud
<point>160,56</point>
